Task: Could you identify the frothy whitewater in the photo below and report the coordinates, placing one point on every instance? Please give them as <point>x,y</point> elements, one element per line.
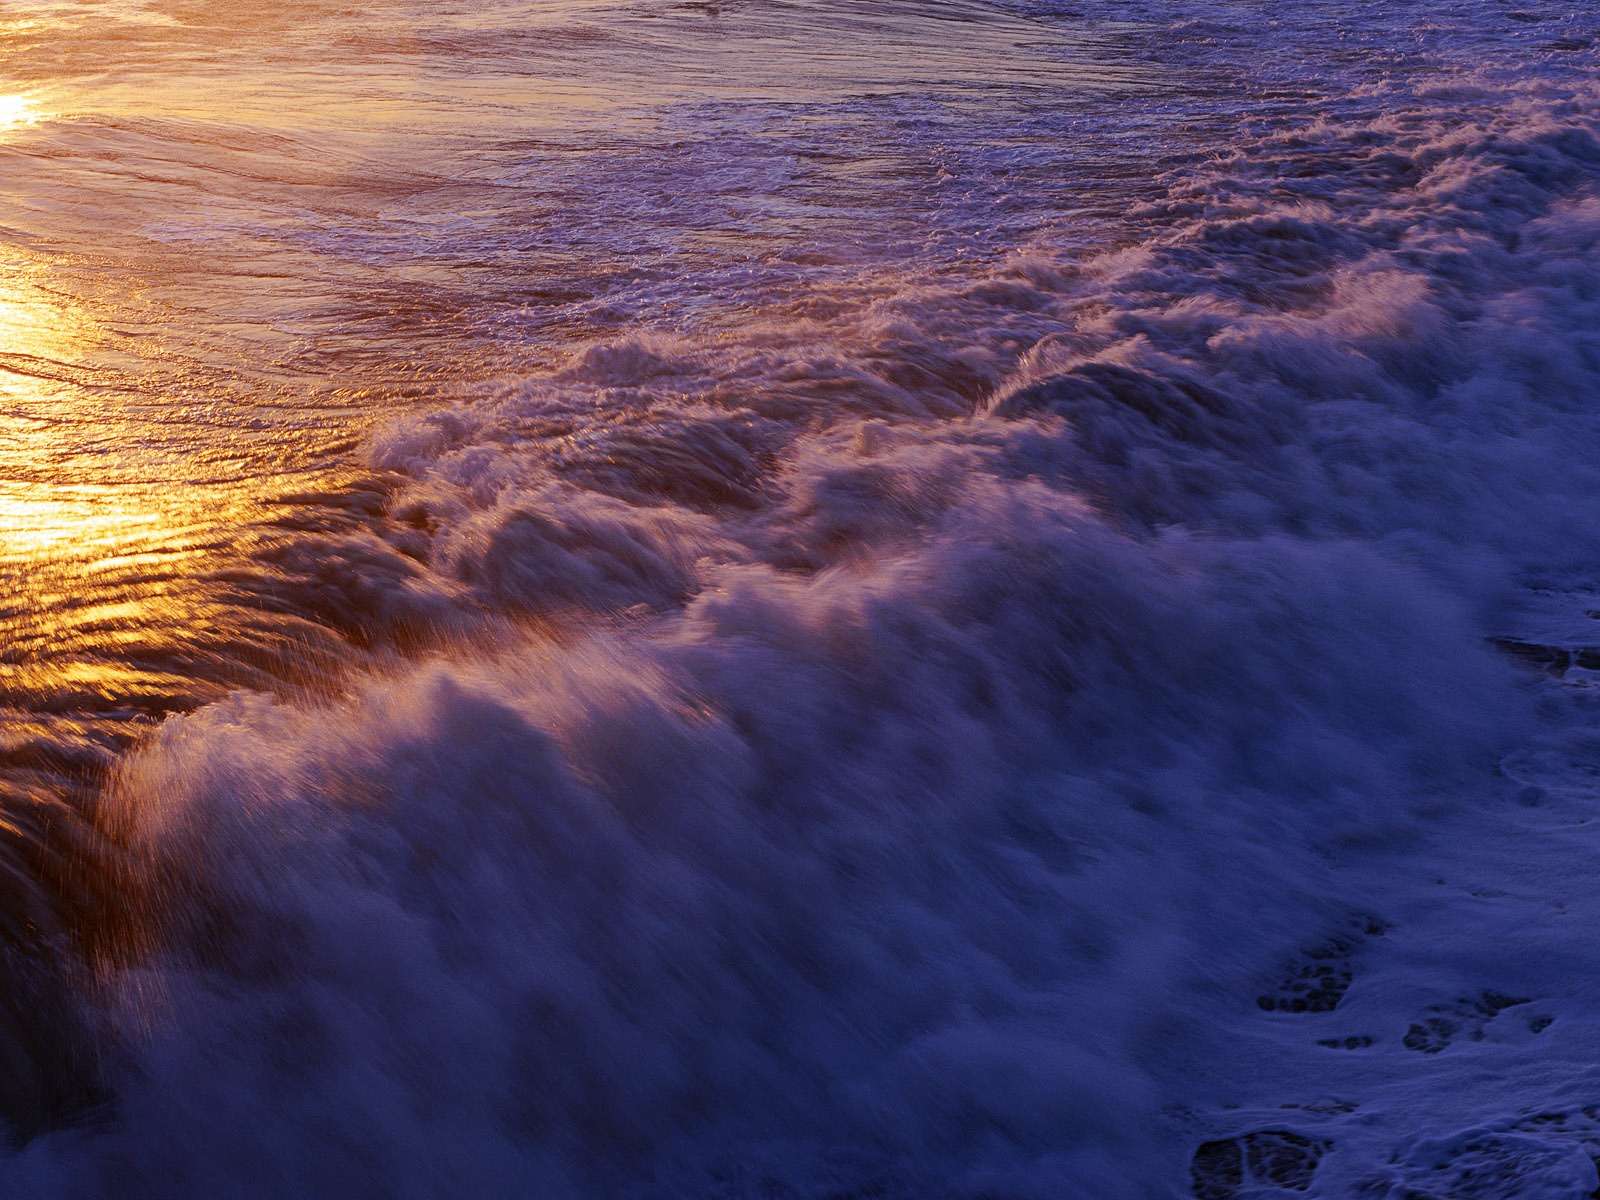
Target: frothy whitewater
<point>791,599</point>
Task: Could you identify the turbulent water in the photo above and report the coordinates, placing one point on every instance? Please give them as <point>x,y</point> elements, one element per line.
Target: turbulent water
<point>800,599</point>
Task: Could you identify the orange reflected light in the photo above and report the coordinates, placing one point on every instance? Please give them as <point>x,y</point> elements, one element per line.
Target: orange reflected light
<point>16,110</point>
<point>54,505</point>
<point>93,543</point>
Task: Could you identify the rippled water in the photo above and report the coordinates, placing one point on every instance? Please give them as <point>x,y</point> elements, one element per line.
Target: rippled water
<point>238,235</point>
<point>812,599</point>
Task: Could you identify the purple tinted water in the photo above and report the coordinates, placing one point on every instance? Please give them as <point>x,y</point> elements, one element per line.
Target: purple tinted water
<point>818,600</point>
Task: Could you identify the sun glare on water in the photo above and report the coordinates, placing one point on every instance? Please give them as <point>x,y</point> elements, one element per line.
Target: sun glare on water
<point>51,505</point>
<point>16,110</point>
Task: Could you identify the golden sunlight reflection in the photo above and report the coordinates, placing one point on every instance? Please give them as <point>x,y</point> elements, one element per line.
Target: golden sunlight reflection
<point>16,110</point>
<point>105,522</point>
<point>53,442</point>
<point>93,547</point>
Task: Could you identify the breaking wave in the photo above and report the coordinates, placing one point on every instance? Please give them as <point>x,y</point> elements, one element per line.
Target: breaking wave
<point>897,748</point>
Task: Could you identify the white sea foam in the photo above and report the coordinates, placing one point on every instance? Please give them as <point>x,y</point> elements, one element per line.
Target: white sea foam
<point>1024,730</point>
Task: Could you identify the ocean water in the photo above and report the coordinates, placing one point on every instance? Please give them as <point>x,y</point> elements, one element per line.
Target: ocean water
<point>800,599</point>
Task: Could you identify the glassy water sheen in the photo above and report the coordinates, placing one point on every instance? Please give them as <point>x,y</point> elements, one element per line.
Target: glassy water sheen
<point>799,599</point>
